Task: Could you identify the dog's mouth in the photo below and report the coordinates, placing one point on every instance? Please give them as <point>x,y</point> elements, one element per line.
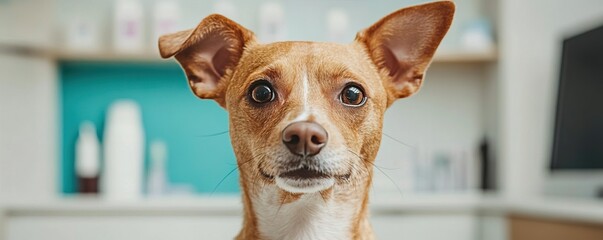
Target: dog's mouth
<point>304,173</point>
<point>304,180</point>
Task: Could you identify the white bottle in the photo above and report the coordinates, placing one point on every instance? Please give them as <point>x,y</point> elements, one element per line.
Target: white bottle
<point>338,26</point>
<point>157,184</point>
<point>87,158</point>
<point>272,23</point>
<point>122,176</point>
<point>167,17</point>
<point>87,150</point>
<point>82,34</point>
<point>128,35</point>
<point>477,36</point>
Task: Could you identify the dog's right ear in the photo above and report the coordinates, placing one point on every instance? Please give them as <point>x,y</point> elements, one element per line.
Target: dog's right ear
<point>403,43</point>
<point>208,53</point>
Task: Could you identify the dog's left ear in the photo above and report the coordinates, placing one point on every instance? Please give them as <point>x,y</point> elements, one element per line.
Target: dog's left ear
<point>403,43</point>
<point>208,53</point>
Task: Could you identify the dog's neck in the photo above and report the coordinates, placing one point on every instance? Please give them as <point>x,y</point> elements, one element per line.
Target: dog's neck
<point>274,214</point>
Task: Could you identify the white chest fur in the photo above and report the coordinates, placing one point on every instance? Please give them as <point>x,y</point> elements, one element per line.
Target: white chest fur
<point>309,217</point>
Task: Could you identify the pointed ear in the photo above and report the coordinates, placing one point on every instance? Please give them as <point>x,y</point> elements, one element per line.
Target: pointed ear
<point>403,43</point>
<point>208,53</point>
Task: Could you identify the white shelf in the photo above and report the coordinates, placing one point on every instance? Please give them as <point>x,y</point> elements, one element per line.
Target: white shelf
<point>229,204</point>
<point>110,57</point>
<point>86,205</point>
<point>429,203</point>
<point>590,211</point>
<point>442,56</point>
<point>463,56</point>
<point>445,56</point>
<point>565,209</point>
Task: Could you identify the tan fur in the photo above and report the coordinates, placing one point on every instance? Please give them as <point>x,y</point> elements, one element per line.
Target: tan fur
<point>388,60</point>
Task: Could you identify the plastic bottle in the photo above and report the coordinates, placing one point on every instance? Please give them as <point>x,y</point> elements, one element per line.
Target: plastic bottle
<point>128,26</point>
<point>157,184</point>
<point>272,23</point>
<point>124,152</point>
<point>167,17</point>
<point>87,158</point>
<point>338,26</point>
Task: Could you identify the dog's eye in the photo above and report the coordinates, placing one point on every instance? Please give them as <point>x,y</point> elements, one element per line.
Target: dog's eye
<point>261,92</point>
<point>352,96</point>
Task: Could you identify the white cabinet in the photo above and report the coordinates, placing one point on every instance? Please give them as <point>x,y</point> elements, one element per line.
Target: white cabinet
<point>28,101</point>
<point>219,217</point>
<point>444,226</point>
<point>28,128</point>
<point>453,226</point>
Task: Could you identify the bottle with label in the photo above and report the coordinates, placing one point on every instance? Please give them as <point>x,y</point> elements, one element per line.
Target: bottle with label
<point>128,35</point>
<point>167,17</point>
<point>272,23</point>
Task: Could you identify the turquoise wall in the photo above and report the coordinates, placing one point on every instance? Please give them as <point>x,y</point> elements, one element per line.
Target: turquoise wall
<point>170,113</point>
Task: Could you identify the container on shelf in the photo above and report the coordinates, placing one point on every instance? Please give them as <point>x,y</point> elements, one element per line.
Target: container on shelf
<point>87,158</point>
<point>272,22</point>
<point>124,140</point>
<point>167,17</point>
<point>128,26</point>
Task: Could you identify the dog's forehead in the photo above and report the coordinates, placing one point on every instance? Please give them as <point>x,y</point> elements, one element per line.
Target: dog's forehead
<point>307,56</point>
<point>310,50</point>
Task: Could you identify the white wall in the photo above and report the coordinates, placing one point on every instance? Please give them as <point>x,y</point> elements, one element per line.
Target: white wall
<point>530,44</point>
<point>446,114</point>
<point>26,23</point>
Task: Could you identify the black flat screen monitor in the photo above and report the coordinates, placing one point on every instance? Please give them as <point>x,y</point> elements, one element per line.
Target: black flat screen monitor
<point>578,137</point>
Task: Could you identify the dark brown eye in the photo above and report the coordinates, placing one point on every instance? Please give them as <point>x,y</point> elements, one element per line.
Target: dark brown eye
<point>353,96</point>
<point>261,92</point>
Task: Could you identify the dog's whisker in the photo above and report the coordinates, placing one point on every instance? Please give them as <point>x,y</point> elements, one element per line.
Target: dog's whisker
<point>323,198</point>
<point>399,141</point>
<point>222,180</point>
<point>391,180</point>
<point>280,206</point>
<point>386,168</point>
<point>355,169</point>
<point>226,176</point>
<point>214,134</point>
<point>380,170</point>
<point>372,163</point>
<point>282,201</point>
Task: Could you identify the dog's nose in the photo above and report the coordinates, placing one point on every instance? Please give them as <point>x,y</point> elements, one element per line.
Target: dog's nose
<point>305,138</point>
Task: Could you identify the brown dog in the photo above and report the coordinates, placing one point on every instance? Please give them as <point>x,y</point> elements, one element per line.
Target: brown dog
<point>306,117</point>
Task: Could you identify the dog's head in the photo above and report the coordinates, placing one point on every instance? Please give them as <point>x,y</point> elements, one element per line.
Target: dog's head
<point>307,116</point>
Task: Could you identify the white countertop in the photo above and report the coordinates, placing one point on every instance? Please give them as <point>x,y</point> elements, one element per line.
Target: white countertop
<point>82,205</point>
<point>567,209</point>
<point>564,209</point>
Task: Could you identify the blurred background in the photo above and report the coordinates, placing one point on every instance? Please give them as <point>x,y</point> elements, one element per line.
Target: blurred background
<point>102,139</point>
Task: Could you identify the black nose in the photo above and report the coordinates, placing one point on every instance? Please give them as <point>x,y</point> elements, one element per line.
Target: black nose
<point>305,138</point>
